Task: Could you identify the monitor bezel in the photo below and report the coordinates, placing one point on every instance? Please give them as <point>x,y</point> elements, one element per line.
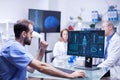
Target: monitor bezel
<point>102,32</point>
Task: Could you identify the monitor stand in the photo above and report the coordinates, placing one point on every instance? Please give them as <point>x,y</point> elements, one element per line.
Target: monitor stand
<point>88,65</point>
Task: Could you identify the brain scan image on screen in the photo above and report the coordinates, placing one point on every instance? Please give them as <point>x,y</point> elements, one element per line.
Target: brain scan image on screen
<point>45,20</point>
<point>51,22</point>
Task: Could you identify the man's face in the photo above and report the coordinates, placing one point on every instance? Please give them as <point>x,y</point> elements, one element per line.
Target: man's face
<point>28,37</point>
<point>105,27</point>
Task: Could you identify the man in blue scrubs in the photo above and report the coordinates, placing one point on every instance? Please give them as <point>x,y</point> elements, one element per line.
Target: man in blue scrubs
<point>14,59</point>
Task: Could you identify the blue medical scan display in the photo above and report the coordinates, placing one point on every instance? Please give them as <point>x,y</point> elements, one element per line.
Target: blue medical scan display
<point>45,20</point>
<point>88,43</point>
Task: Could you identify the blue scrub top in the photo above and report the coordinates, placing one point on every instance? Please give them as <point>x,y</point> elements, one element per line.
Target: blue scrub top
<point>14,60</point>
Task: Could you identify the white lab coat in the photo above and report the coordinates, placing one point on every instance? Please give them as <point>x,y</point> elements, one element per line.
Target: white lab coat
<point>60,51</point>
<point>113,59</point>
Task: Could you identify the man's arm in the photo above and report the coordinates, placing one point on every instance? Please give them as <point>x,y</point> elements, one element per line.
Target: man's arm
<point>39,56</point>
<point>50,70</point>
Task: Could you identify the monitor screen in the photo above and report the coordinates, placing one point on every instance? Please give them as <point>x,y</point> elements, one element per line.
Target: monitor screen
<point>87,43</point>
<point>45,20</point>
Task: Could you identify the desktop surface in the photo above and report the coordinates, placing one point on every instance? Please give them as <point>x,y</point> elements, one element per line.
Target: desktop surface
<point>90,75</point>
<point>65,70</point>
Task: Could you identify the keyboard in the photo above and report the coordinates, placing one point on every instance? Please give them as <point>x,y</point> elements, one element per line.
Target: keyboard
<point>65,70</point>
<point>87,68</point>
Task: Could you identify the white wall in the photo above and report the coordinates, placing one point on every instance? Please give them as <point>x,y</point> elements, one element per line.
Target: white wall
<point>13,10</point>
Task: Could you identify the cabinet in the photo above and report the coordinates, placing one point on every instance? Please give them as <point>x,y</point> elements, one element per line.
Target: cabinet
<point>6,32</point>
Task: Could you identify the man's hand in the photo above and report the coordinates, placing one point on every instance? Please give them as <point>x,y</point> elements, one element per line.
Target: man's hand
<point>43,45</point>
<point>78,74</point>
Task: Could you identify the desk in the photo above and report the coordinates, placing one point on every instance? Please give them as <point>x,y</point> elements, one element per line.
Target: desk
<point>91,75</point>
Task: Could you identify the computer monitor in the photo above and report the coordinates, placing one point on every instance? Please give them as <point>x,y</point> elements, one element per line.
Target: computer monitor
<point>86,43</point>
<point>45,20</point>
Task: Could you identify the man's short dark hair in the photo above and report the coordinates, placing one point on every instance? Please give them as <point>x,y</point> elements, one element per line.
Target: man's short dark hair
<point>21,25</point>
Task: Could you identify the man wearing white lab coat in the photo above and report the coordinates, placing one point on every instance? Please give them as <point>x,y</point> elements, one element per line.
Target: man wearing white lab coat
<point>113,57</point>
